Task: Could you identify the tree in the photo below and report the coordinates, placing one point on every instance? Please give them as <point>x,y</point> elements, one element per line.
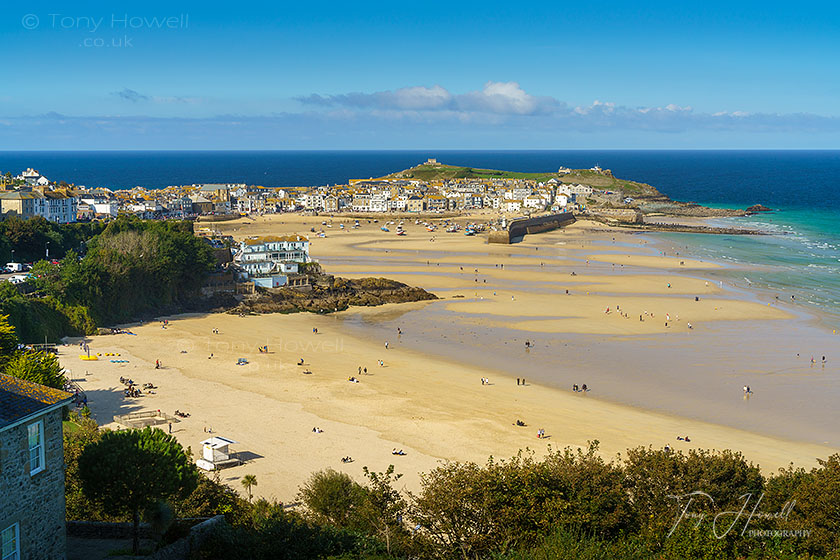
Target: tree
<point>383,507</point>
<point>38,367</point>
<point>212,497</point>
<point>332,498</point>
<point>248,481</point>
<point>78,506</point>
<point>8,339</point>
<point>129,471</point>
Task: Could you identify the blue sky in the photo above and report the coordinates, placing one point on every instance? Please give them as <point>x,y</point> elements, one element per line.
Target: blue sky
<point>471,75</point>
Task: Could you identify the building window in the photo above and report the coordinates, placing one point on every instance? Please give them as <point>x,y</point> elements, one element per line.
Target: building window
<point>10,543</point>
<point>36,447</point>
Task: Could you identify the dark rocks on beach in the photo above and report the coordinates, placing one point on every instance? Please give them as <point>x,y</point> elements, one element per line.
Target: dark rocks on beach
<point>330,293</point>
<point>755,208</point>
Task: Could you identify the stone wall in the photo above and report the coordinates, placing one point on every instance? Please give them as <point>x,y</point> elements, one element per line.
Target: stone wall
<point>519,228</point>
<point>182,548</point>
<point>499,237</point>
<point>36,502</point>
<point>625,215</point>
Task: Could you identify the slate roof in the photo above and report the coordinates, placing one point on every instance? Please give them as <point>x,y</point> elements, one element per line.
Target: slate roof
<point>19,399</point>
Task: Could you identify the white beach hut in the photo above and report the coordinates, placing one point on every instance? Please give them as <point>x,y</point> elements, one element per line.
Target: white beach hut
<point>216,454</point>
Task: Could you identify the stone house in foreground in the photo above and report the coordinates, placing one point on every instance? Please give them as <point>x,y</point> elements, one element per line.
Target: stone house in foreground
<point>31,470</point>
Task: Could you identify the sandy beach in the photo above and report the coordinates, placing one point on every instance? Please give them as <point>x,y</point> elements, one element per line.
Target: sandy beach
<point>427,399</point>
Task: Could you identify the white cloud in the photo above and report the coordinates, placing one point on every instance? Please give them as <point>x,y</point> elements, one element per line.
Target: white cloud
<point>503,98</point>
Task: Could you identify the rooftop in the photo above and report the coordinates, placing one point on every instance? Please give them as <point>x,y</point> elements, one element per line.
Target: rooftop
<point>19,399</point>
<point>274,239</point>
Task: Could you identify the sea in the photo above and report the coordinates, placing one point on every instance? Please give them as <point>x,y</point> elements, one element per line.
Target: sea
<point>799,257</point>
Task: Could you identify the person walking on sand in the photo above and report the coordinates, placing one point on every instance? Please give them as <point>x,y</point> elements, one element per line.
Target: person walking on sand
<point>170,427</point>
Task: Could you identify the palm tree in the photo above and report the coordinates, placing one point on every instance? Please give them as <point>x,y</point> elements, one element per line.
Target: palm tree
<point>248,481</point>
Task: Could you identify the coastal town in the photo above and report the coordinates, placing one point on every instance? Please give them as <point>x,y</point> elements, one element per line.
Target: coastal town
<point>32,194</point>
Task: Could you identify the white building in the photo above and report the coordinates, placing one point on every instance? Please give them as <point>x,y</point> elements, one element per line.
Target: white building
<point>262,256</point>
<point>379,202</point>
<point>361,203</point>
<point>313,201</point>
<point>533,201</point>
<point>580,190</point>
<point>517,193</point>
<point>53,206</point>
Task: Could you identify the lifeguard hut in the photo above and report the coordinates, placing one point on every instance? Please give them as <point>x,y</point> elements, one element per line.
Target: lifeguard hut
<point>216,454</point>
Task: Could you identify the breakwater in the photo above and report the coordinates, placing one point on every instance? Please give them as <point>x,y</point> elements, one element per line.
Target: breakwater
<point>518,229</point>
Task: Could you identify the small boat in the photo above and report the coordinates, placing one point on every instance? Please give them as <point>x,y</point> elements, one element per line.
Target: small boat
<point>400,232</point>
<point>383,228</point>
<point>469,232</point>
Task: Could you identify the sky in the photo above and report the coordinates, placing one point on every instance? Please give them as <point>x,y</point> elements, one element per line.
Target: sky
<point>403,75</point>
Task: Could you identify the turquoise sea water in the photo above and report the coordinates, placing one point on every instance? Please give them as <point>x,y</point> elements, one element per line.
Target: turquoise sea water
<point>800,257</point>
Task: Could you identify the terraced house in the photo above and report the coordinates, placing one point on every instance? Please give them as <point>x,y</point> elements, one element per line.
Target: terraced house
<point>31,470</point>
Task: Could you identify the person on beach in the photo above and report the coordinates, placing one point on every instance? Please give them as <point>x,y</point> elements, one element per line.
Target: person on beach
<point>386,345</point>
